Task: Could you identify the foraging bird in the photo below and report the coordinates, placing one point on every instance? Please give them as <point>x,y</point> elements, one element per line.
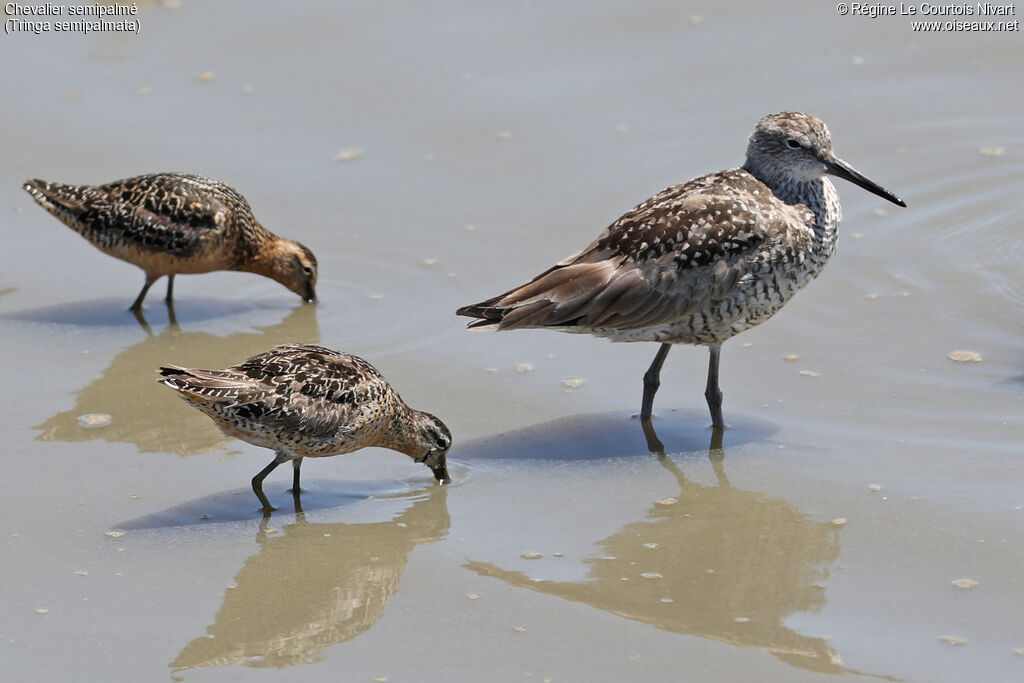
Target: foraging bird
<point>701,261</point>
<point>304,401</point>
<point>171,223</point>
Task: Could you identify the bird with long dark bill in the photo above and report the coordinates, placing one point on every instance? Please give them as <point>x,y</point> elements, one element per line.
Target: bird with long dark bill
<point>701,261</point>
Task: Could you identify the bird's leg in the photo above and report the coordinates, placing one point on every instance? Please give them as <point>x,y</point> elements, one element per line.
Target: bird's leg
<point>257,481</point>
<point>137,304</point>
<point>296,464</point>
<point>170,288</point>
<point>712,393</point>
<point>652,380</point>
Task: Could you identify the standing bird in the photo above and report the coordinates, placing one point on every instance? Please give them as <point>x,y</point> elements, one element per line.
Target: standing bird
<point>170,223</point>
<point>309,401</point>
<point>701,261</point>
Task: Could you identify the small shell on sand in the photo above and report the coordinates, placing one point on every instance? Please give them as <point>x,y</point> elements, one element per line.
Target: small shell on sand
<point>964,583</point>
<point>347,154</point>
<point>965,356</point>
<point>93,420</point>
<point>953,640</point>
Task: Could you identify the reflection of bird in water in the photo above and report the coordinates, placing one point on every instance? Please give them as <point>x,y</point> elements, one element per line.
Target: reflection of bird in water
<point>314,585</point>
<point>137,409</point>
<point>715,562</point>
<point>170,223</point>
<point>701,261</point>
<point>309,401</point>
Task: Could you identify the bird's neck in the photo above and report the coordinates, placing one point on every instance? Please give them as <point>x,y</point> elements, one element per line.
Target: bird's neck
<point>397,433</point>
<point>817,194</point>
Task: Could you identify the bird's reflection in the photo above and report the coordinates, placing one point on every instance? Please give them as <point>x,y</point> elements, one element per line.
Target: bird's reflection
<point>713,561</point>
<point>313,585</point>
<point>139,407</point>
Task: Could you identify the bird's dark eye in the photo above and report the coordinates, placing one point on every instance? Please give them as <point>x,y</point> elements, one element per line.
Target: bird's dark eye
<point>793,144</point>
<point>307,270</point>
<point>442,442</point>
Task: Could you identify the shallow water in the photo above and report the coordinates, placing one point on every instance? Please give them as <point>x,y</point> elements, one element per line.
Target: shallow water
<point>854,485</point>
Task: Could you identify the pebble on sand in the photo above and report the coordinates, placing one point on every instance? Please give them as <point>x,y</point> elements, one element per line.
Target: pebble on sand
<point>992,151</point>
<point>519,629</point>
<point>205,76</point>
<point>531,556</point>
<point>965,356</point>
<point>839,521</point>
<point>523,367</point>
<point>964,583</point>
<point>42,610</point>
<point>874,487</point>
<point>573,382</point>
<point>810,373</point>
<point>791,356</point>
<point>667,501</point>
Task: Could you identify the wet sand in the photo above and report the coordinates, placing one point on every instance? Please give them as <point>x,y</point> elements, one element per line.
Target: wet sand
<point>864,516</point>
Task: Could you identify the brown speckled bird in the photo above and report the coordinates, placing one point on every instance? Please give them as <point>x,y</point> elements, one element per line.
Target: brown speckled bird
<point>309,401</point>
<point>171,223</point>
<point>701,261</point>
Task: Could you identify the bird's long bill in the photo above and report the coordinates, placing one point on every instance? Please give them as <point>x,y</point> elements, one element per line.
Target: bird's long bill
<point>309,295</point>
<point>437,461</point>
<point>841,169</point>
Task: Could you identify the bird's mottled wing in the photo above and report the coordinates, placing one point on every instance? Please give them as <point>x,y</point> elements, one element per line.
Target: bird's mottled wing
<point>672,255</point>
<point>172,212</point>
<point>308,389</point>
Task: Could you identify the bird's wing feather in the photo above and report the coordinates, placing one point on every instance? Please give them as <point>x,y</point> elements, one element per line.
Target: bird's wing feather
<point>172,211</point>
<point>665,259</point>
<point>310,390</point>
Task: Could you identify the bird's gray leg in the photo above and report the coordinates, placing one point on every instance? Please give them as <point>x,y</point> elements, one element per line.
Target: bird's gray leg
<point>712,393</point>
<point>137,304</point>
<point>170,288</point>
<point>652,380</point>
<point>296,464</point>
<point>257,481</point>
